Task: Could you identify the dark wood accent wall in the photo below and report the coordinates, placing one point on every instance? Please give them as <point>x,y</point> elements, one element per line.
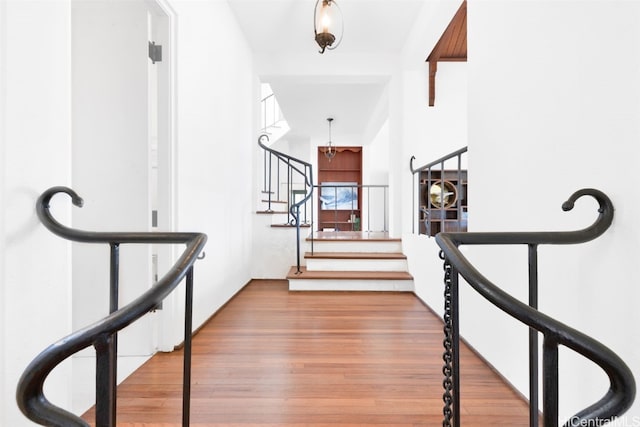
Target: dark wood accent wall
<point>346,166</point>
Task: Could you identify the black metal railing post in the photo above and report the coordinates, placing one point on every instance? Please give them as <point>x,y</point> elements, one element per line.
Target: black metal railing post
<point>278,177</point>
<point>269,191</point>
<point>297,219</point>
<point>107,351</point>
<point>264,172</point>
<point>312,238</point>
<point>188,332</point>
<point>289,190</point>
<point>105,385</point>
<point>113,307</point>
<point>550,381</point>
<point>533,337</point>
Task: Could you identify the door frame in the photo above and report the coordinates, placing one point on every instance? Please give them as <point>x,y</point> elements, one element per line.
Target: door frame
<point>168,331</point>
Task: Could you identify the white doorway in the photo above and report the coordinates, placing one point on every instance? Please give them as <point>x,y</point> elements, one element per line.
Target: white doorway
<point>161,119</point>
<point>122,131</point>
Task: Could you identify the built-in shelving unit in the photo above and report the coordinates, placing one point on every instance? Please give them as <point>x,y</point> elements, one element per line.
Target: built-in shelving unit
<point>345,168</point>
<point>443,201</point>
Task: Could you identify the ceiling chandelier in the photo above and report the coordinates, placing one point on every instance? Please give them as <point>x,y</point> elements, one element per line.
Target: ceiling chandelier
<point>327,18</point>
<point>330,151</point>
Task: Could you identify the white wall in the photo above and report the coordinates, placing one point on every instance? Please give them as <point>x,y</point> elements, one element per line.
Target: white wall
<point>110,157</point>
<point>274,248</point>
<point>428,133</point>
<point>35,276</point>
<point>539,121</point>
<point>217,127</point>
<point>111,168</point>
<point>3,120</point>
<point>553,107</point>
<point>375,171</point>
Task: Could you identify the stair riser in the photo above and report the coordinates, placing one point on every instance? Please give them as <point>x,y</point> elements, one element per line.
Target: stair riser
<point>279,218</point>
<point>351,285</point>
<point>355,246</point>
<point>332,264</point>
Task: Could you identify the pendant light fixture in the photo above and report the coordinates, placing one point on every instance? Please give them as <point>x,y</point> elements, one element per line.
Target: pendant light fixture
<point>330,151</point>
<point>327,19</point>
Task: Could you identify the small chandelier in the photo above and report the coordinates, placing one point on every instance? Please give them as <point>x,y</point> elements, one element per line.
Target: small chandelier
<point>327,17</point>
<point>330,151</point>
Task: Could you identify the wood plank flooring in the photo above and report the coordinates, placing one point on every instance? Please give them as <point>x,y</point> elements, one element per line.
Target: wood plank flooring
<point>272,357</point>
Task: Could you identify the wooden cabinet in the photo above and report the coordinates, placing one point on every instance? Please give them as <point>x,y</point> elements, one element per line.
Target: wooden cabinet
<point>443,201</point>
<point>339,193</point>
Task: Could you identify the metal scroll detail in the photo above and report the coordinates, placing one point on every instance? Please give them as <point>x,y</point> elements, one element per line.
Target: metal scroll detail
<point>447,356</point>
<point>622,389</point>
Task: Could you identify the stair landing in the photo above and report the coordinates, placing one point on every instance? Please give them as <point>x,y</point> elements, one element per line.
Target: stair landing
<point>352,261</point>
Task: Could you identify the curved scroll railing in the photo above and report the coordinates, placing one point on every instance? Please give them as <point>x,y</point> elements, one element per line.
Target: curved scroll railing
<point>295,168</point>
<point>621,392</point>
<point>103,334</point>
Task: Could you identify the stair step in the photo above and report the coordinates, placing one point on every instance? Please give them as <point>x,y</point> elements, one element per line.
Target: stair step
<point>355,255</point>
<point>356,261</point>
<point>271,212</point>
<point>290,226</point>
<point>356,245</point>
<point>354,241</point>
<point>275,201</point>
<point>348,275</point>
<point>352,236</point>
<point>308,280</point>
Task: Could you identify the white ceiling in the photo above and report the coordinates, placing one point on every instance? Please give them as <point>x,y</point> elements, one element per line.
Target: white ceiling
<point>306,105</point>
<point>374,28</point>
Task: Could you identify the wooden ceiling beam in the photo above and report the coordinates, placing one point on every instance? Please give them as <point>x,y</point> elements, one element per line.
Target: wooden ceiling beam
<point>451,47</point>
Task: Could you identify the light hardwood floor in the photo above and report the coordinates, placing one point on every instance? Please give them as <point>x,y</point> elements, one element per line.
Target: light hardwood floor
<point>272,357</point>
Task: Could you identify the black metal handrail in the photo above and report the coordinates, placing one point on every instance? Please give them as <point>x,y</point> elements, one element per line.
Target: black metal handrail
<point>103,333</point>
<point>621,392</point>
<point>294,166</point>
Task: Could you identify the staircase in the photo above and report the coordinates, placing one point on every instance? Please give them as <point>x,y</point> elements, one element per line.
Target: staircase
<point>352,261</point>
<point>279,214</point>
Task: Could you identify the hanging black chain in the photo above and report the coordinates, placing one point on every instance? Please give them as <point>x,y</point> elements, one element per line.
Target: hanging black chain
<point>447,357</point>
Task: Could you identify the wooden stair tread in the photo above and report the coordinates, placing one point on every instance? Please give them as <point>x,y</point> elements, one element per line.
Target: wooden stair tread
<point>276,201</point>
<point>289,226</point>
<point>271,212</point>
<point>348,275</point>
<point>355,255</point>
<point>353,238</point>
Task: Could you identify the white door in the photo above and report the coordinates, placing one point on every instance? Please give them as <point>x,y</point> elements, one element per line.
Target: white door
<point>122,136</point>
<point>161,128</point>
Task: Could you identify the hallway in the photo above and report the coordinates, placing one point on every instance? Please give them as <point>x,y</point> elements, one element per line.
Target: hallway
<point>271,357</point>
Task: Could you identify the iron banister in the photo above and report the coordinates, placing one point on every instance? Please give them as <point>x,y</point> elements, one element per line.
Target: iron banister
<point>602,223</point>
<point>621,392</point>
<point>435,162</point>
<point>30,396</point>
<point>294,209</point>
<point>44,214</point>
